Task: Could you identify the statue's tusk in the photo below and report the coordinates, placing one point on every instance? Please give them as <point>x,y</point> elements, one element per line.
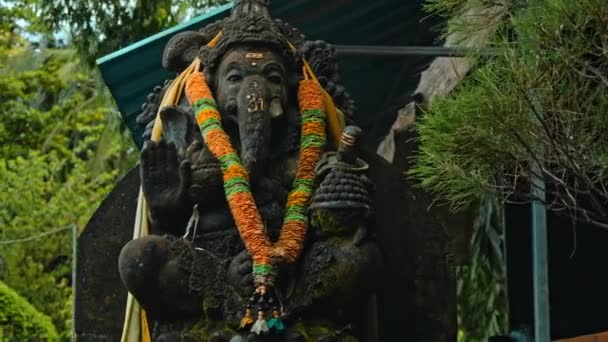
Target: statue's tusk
<point>276,108</point>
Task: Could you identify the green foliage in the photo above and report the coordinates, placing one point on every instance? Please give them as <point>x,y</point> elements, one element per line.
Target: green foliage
<point>53,194</point>
<point>11,13</point>
<point>98,27</point>
<point>62,148</point>
<point>482,293</point>
<point>545,100</point>
<point>480,139</point>
<point>20,321</point>
<point>468,137</point>
<point>470,17</point>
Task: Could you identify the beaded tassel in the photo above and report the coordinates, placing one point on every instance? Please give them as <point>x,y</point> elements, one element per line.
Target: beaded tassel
<point>260,326</point>
<point>247,320</point>
<point>275,324</point>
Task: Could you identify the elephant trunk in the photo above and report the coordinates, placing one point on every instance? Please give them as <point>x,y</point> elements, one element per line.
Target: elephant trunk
<point>254,118</point>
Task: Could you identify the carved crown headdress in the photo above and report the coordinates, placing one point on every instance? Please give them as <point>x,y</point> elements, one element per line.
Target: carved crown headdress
<point>250,23</point>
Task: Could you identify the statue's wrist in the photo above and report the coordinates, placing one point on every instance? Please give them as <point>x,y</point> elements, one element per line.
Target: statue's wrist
<point>170,221</point>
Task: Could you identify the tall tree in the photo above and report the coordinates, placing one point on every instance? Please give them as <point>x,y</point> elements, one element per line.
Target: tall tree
<point>100,27</point>
<point>62,146</point>
<point>543,101</point>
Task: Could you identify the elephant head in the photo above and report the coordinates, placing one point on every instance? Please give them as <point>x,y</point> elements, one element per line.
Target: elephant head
<point>251,85</point>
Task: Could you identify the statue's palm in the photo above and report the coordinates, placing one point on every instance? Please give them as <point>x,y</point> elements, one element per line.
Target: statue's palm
<point>165,181</point>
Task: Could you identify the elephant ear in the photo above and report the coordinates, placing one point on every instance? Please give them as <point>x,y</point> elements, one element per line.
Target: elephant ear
<point>324,62</point>
<point>182,49</point>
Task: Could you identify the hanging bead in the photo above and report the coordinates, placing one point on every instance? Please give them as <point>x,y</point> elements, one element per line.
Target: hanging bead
<point>260,326</point>
<point>275,324</point>
<point>247,320</point>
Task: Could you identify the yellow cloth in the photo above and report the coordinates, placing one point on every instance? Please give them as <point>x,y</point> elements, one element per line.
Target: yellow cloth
<point>145,329</point>
<point>335,117</point>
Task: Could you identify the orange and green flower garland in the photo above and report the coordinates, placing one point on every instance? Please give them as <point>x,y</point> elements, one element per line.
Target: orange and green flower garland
<point>288,248</point>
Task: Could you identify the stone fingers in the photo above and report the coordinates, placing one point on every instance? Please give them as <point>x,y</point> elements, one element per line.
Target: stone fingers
<point>193,151</point>
<point>147,160</point>
<point>185,176</point>
<point>149,166</point>
<point>169,154</point>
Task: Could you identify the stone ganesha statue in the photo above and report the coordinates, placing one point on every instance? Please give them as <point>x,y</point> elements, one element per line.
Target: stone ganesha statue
<point>260,229</point>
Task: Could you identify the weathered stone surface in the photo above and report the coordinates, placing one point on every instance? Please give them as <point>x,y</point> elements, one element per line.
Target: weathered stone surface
<point>420,288</point>
<point>100,296</point>
<point>395,295</point>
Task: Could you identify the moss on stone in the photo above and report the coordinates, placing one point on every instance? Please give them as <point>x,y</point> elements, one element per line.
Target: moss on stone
<point>332,222</point>
<point>335,278</point>
<point>312,332</point>
<point>204,328</point>
<point>209,303</point>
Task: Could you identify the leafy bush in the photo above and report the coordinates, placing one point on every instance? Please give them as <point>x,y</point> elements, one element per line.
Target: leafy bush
<point>62,143</point>
<point>100,27</point>
<point>61,152</point>
<point>20,321</point>
<point>545,99</point>
<point>482,292</point>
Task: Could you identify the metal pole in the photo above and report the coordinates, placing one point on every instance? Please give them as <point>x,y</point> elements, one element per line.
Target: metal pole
<point>540,273</point>
<point>400,51</point>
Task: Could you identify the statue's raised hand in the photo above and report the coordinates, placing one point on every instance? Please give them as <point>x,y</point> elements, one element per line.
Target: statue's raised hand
<point>165,182</point>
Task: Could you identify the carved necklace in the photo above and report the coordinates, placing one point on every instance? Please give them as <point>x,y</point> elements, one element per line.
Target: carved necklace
<point>265,254</point>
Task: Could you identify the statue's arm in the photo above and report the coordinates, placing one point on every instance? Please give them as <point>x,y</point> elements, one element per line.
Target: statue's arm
<point>178,172</point>
<point>342,204</point>
<point>343,260</point>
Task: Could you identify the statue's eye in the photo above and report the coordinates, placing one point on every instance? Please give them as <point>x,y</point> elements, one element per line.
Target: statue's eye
<point>276,79</point>
<point>235,78</point>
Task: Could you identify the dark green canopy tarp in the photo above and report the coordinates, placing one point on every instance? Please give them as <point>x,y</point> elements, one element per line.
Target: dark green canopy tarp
<point>379,85</point>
